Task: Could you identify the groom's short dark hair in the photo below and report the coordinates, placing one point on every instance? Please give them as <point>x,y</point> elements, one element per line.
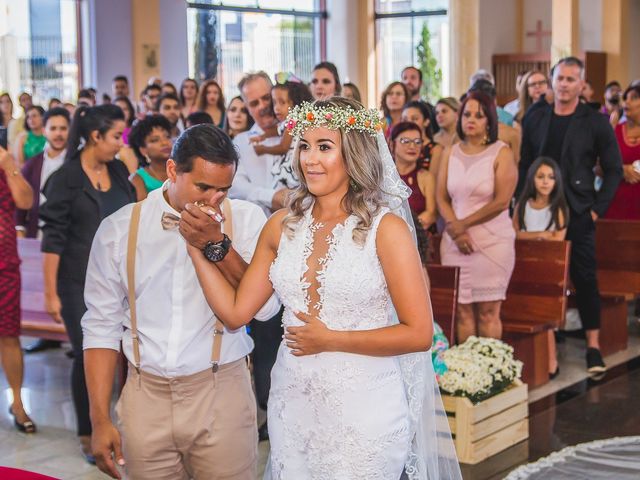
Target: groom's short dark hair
<point>205,141</point>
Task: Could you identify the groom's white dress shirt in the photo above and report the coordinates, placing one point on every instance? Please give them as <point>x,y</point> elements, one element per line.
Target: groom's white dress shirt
<point>175,322</point>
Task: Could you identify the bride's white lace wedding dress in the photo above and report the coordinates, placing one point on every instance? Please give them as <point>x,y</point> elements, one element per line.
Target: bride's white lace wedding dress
<point>335,415</point>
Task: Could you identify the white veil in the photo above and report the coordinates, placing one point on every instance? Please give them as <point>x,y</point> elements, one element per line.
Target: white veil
<point>432,455</point>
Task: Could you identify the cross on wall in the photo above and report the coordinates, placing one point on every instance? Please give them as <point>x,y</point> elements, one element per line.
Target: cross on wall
<point>539,34</point>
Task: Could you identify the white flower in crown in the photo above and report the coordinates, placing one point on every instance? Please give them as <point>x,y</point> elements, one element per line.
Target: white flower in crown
<point>309,115</point>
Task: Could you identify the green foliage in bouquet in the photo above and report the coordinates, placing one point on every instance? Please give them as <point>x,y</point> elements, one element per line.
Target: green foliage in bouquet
<point>479,368</point>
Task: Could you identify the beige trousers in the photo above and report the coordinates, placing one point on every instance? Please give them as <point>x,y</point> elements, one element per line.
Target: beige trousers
<point>201,426</point>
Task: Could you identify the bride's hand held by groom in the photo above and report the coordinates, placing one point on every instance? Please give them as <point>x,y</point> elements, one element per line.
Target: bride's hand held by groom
<point>311,338</point>
<point>201,223</point>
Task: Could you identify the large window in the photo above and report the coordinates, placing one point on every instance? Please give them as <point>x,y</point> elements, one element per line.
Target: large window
<point>225,41</point>
<point>413,32</point>
<point>39,48</point>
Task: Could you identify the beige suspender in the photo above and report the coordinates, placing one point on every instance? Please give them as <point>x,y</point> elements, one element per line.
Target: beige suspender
<point>131,275</point>
<point>218,330</point>
<point>132,242</point>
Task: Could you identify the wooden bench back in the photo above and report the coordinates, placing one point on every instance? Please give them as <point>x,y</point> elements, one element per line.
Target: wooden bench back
<point>444,297</point>
<point>35,321</point>
<point>618,257</point>
<point>537,291</point>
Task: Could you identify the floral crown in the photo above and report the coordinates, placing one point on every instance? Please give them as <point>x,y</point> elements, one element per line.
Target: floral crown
<point>309,115</point>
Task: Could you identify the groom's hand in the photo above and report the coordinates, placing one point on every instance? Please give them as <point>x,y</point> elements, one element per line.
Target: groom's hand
<point>106,447</point>
<point>200,224</point>
<point>311,338</point>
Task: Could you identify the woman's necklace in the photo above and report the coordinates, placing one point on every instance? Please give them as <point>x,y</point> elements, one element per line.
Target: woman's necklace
<point>98,173</point>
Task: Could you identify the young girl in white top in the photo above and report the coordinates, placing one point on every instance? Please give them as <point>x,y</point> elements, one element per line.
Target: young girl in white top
<point>542,214</point>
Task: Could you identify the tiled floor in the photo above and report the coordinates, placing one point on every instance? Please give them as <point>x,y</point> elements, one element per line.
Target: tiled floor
<point>569,410</point>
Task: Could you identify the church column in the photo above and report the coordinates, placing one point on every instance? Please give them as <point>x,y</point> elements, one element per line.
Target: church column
<point>565,29</point>
<point>616,39</point>
<point>145,28</point>
<point>464,18</point>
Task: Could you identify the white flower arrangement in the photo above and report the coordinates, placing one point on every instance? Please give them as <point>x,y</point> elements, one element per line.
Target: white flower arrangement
<point>479,368</point>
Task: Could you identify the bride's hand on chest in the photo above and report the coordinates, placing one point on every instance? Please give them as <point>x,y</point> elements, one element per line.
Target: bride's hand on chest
<point>311,338</point>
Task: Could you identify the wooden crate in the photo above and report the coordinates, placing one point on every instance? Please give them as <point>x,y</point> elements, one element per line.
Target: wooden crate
<point>486,428</point>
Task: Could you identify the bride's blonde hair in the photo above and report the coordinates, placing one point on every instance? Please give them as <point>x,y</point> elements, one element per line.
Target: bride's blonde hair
<point>364,166</point>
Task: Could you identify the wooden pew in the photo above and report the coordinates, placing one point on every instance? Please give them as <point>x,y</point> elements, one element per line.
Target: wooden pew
<point>35,321</point>
<point>618,260</point>
<point>444,297</point>
<point>536,302</point>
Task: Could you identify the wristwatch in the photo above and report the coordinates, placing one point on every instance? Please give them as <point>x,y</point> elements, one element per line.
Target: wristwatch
<point>215,252</point>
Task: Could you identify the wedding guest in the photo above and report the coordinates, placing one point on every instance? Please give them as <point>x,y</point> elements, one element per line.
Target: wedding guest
<point>412,79</point>
<point>393,99</point>
<point>14,192</point>
<point>254,182</point>
<point>542,213</point>
<point>350,90</point>
<point>506,133</point>
<point>237,119</point>
<point>169,107</point>
<point>474,189</point>
<point>189,96</point>
<point>30,142</point>
<point>151,142</point>
<point>120,86</point>
<point>198,118</point>
<point>89,187</point>
<point>285,96</point>
<point>13,125</point>
<point>406,144</point>
<point>211,100</point>
<point>39,168</point>
<point>150,96</point>
<point>54,103</point>
<point>418,113</point>
<point>168,87</point>
<point>626,202</point>
<point>447,118</point>
<point>325,81</point>
<point>577,137</point>
<point>129,116</point>
<point>533,86</point>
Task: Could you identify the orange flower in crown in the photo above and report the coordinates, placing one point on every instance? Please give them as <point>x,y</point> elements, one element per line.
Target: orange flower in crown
<point>309,115</point>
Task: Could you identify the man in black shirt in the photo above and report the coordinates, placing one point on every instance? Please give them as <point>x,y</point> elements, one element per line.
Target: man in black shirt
<point>577,137</point>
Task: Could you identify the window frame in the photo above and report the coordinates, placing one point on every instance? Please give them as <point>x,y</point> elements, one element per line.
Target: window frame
<point>408,14</point>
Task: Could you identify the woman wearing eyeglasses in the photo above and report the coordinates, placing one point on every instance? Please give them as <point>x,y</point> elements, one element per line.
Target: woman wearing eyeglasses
<point>406,147</point>
<point>534,84</point>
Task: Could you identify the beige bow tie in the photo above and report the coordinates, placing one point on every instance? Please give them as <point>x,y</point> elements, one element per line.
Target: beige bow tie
<point>169,221</point>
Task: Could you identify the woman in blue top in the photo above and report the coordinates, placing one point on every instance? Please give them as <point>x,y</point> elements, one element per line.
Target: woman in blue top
<point>150,139</point>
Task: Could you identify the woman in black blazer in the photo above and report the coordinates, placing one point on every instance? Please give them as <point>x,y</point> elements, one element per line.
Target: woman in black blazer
<point>90,186</point>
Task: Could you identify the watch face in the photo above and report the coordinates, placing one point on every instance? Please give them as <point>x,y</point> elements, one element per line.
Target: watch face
<point>214,252</point>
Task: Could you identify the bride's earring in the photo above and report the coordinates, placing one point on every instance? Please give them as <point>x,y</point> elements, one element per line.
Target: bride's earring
<point>354,186</point>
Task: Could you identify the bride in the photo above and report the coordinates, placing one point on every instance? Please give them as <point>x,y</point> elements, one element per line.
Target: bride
<point>352,391</point>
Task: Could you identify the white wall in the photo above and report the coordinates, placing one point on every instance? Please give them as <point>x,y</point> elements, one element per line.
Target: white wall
<point>591,25</point>
<point>174,63</point>
<point>110,40</point>
<point>534,10</point>
<point>343,41</point>
<point>634,39</point>
<point>498,32</point>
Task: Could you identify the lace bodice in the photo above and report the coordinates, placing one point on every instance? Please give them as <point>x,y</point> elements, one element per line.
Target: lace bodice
<point>352,288</point>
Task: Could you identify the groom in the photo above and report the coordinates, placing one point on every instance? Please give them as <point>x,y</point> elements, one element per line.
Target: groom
<point>187,409</point>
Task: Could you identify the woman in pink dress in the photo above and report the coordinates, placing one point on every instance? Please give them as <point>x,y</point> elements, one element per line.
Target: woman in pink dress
<point>475,184</point>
